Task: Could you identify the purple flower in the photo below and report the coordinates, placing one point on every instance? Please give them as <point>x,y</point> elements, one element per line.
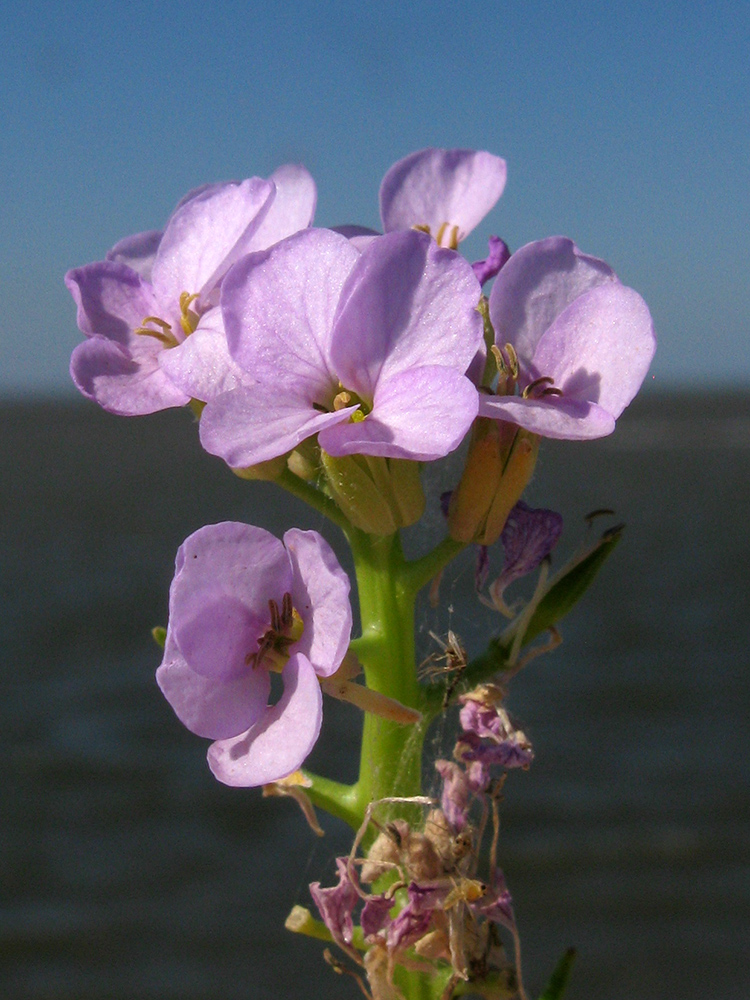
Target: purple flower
<point>155,292</point>
<point>337,903</point>
<point>446,192</point>
<point>528,537</point>
<point>366,351</point>
<point>243,605</point>
<point>584,341</point>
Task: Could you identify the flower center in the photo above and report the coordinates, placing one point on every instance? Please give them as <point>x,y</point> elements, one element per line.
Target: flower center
<point>285,629</point>
<point>342,399</point>
<point>155,326</point>
<point>447,235</point>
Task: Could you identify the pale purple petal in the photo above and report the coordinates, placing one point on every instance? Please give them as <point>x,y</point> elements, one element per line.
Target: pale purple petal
<point>498,257</point>
<point>552,416</point>
<point>248,426</point>
<point>278,308</point>
<point>108,373</point>
<point>218,601</point>
<point>420,414</point>
<point>320,593</point>
<point>353,231</point>
<point>600,348</point>
<point>292,209</point>
<point>407,302</point>
<point>112,300</point>
<point>534,287</point>
<point>207,234</point>
<point>210,706</point>
<point>280,741</point>
<point>137,251</point>
<point>201,366</point>
<point>436,186</point>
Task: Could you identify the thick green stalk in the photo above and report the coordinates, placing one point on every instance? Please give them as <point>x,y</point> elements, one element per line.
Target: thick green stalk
<point>391,755</point>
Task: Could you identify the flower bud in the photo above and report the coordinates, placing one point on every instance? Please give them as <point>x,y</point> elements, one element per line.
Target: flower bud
<point>499,465</point>
<point>378,495</point>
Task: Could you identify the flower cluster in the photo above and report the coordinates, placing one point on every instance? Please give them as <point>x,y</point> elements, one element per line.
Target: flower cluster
<point>370,343</point>
<point>335,362</point>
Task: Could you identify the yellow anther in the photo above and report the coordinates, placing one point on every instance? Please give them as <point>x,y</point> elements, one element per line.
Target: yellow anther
<point>513,359</point>
<point>451,241</point>
<point>342,400</point>
<point>497,354</point>
<point>286,627</point>
<point>422,228</point>
<point>189,319</point>
<point>164,335</point>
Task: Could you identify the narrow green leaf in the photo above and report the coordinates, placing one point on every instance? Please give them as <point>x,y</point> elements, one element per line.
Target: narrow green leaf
<point>559,978</point>
<point>571,583</point>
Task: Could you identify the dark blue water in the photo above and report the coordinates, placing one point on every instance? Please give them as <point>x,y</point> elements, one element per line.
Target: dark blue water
<point>126,871</point>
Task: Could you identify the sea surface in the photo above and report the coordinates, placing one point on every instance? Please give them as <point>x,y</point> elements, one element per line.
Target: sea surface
<point>128,872</point>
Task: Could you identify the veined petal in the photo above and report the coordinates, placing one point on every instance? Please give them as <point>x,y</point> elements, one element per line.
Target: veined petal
<point>320,593</point>
<point>600,348</point>
<point>433,187</point>
<point>137,252</point>
<point>109,374</point>
<point>225,573</point>
<point>406,303</point>
<point>248,426</point>
<point>278,308</point>
<point>420,414</point>
<point>539,281</point>
<point>282,738</point>
<point>207,234</point>
<point>112,300</point>
<point>201,366</point>
<point>215,707</point>
<point>552,416</point>
<point>292,209</point>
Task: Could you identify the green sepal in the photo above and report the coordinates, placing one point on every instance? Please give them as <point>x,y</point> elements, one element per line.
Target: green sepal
<point>571,583</point>
<point>559,978</point>
<point>159,634</point>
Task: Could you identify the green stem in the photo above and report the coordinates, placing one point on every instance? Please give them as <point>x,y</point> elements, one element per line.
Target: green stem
<point>313,497</point>
<point>391,755</point>
<point>336,798</point>
<point>418,573</point>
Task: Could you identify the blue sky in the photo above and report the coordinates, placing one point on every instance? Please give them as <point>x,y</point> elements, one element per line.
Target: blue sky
<point>626,128</point>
